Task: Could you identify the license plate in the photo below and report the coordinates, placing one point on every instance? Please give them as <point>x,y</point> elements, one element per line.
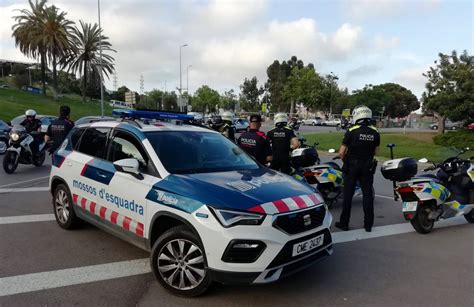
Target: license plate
<point>306,246</point>
<point>410,206</point>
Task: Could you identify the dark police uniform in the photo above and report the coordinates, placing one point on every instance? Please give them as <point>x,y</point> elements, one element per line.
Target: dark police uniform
<point>256,144</point>
<point>280,138</point>
<point>32,127</point>
<point>359,166</point>
<point>58,130</point>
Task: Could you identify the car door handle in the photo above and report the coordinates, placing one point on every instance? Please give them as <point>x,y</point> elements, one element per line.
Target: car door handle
<point>69,163</point>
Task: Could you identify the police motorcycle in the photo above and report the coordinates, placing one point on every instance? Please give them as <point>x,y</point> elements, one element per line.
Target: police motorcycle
<point>19,151</point>
<point>427,198</point>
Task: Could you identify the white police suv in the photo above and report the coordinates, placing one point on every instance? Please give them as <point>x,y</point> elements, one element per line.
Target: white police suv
<point>205,209</point>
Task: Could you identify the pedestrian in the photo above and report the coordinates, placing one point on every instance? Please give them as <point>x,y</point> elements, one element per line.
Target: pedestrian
<point>33,127</point>
<point>255,142</point>
<point>359,146</point>
<point>281,138</point>
<point>59,129</point>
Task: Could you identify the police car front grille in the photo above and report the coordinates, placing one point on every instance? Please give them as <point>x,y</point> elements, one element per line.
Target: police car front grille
<point>300,221</point>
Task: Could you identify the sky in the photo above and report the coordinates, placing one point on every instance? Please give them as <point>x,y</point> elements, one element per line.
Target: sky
<point>361,41</point>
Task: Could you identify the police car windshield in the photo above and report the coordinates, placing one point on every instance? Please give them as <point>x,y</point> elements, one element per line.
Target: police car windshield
<point>190,152</point>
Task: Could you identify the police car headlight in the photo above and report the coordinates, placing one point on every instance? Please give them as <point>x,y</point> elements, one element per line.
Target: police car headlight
<point>15,136</point>
<point>229,218</point>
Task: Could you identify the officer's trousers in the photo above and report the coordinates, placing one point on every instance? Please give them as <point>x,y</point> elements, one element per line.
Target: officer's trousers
<point>281,165</point>
<point>358,171</point>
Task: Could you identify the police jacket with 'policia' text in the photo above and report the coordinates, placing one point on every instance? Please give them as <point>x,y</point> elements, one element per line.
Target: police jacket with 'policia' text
<point>361,141</point>
<point>256,144</point>
<point>280,138</point>
<point>58,131</point>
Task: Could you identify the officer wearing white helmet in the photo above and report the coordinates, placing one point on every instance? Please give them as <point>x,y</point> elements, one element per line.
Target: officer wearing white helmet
<point>227,128</point>
<point>359,146</point>
<point>281,138</point>
<point>33,127</point>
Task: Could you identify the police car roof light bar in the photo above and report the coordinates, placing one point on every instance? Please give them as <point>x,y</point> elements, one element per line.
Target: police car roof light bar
<point>158,115</point>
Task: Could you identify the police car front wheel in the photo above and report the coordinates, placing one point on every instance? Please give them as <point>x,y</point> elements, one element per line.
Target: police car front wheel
<point>178,262</point>
<point>63,208</point>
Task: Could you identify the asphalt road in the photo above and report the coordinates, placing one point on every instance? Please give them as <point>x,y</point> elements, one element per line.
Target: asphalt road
<point>393,266</point>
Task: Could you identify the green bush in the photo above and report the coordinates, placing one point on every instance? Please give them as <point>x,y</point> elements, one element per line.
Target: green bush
<point>458,139</point>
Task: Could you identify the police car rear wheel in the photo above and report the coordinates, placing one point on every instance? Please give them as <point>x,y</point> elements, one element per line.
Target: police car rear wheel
<point>63,208</point>
<point>178,262</point>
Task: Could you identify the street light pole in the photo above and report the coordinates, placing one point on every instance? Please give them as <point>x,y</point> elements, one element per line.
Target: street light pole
<point>180,77</point>
<point>187,78</point>
<point>100,67</point>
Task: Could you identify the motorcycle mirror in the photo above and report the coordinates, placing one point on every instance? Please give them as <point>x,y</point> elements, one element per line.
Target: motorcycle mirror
<point>423,160</point>
<point>332,150</point>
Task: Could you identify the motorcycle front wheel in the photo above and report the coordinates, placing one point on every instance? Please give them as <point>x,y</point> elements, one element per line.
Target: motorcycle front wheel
<point>470,216</point>
<point>421,222</point>
<point>10,162</point>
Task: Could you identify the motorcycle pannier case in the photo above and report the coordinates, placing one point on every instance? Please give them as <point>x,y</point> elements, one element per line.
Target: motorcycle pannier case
<point>399,169</point>
<point>304,157</point>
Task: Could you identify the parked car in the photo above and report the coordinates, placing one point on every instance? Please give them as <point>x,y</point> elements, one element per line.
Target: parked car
<point>471,126</point>
<point>4,130</point>
<point>312,121</point>
<point>45,121</point>
<point>241,124</point>
<point>448,125</point>
<point>331,122</point>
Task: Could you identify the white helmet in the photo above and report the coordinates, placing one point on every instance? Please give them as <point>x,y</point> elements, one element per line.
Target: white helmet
<point>281,118</point>
<point>360,113</point>
<point>30,112</point>
<point>228,116</point>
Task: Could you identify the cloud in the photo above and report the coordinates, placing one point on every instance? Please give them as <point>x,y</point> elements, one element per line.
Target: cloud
<point>412,78</point>
<point>363,70</point>
<point>363,9</point>
<point>227,40</point>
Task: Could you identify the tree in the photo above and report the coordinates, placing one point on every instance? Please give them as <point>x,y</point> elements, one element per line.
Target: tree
<point>205,97</point>
<point>119,94</point>
<point>229,100</point>
<point>170,101</point>
<point>27,34</point>
<point>449,91</point>
<point>371,96</point>
<point>402,101</point>
<point>156,98</point>
<point>55,37</point>
<point>84,56</point>
<point>304,86</point>
<point>250,92</point>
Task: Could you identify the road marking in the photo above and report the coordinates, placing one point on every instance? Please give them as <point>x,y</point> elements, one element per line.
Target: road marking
<point>26,218</point>
<point>19,190</point>
<point>383,196</point>
<point>388,230</point>
<point>68,277</point>
<point>25,181</point>
<point>80,275</point>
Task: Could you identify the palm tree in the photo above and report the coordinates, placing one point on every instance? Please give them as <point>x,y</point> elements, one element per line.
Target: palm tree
<point>85,52</point>
<point>29,25</point>
<point>55,37</point>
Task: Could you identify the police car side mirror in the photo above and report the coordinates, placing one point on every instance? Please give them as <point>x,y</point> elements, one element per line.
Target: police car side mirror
<point>129,166</point>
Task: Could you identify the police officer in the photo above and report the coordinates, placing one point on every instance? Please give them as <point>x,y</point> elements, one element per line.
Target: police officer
<point>59,128</point>
<point>255,142</point>
<point>281,138</point>
<point>33,127</point>
<point>223,125</point>
<point>358,149</point>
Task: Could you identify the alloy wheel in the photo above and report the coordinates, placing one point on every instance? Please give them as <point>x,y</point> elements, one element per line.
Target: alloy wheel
<point>62,206</point>
<point>181,264</point>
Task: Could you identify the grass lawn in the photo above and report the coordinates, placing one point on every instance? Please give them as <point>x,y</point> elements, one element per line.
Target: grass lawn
<point>416,145</point>
<point>14,102</point>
